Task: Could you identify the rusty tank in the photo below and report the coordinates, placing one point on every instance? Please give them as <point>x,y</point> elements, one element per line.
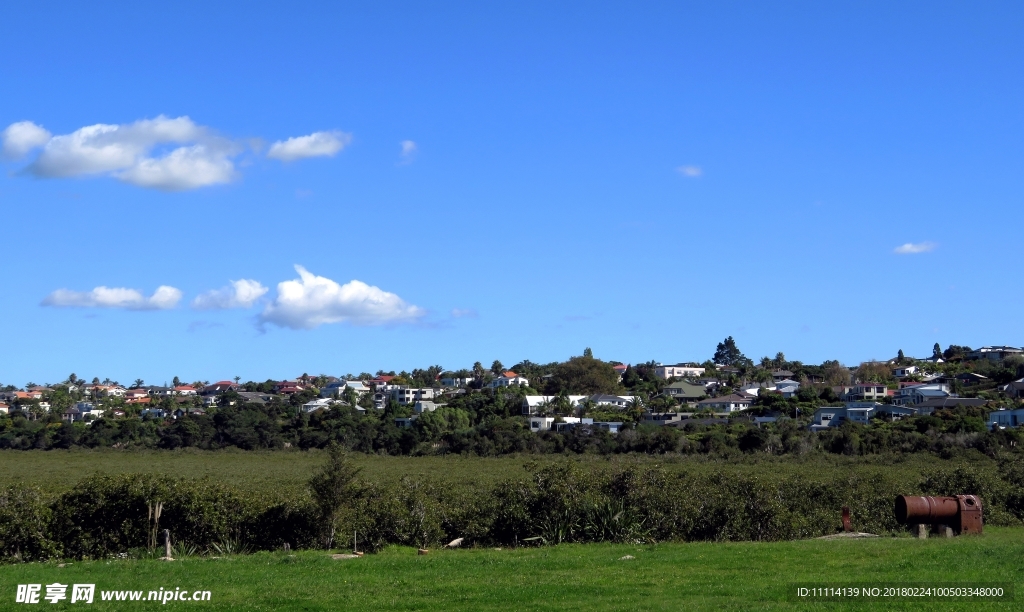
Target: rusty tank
<point>961,513</point>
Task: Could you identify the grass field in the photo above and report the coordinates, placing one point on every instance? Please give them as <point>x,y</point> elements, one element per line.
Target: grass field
<point>697,576</point>
<point>289,470</point>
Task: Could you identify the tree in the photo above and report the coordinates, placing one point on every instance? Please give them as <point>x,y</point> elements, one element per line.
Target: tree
<point>956,353</point>
<point>497,368</point>
<point>780,359</point>
<point>176,382</point>
<point>237,378</point>
<point>936,351</point>
<point>900,358</point>
<point>727,353</point>
<point>588,353</point>
<point>138,383</point>
<point>332,486</point>
<point>583,375</point>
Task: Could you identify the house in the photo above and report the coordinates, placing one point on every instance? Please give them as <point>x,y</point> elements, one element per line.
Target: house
<point>317,404</point>
<point>931,405</point>
<point>4,408</point>
<point>404,422</point>
<point>85,406</point>
<point>287,387</point>
<point>969,379</point>
<point>457,383</point>
<point>994,353</point>
<point>381,381</point>
<point>180,412</point>
<point>609,426</point>
<point>779,375</point>
<point>759,421</point>
<point>252,397</point>
<point>155,413</point>
<point>922,392</point>
<point>71,415</point>
<point>185,390</point>
<point>509,379</point>
<point>533,403</point>
<point>831,416</point>
<point>160,391</point>
<point>680,370</point>
<point>1002,419</point>
<point>661,418</point>
<point>619,401</point>
<point>1014,389</point>
<point>567,424</point>
<point>339,387</point>
<point>904,371</point>
<point>405,395</point>
<point>728,403</point>
<point>136,394</point>
<point>28,395</point>
<point>787,387</point>
<point>865,391</point>
<point>684,391</point>
<point>425,406</point>
<point>621,369</point>
<point>44,406</point>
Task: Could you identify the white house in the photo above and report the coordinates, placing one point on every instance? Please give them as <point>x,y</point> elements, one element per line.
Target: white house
<point>619,401</point>
<point>856,412</point>
<point>457,383</point>
<point>509,379</point>
<point>405,395</point>
<point>339,387</point>
<point>680,370</point>
<point>787,387</point>
<point>533,403</point>
<point>538,424</point>
<point>317,404</point>
<point>425,406</point>
<point>727,403</point>
<point>904,371</point>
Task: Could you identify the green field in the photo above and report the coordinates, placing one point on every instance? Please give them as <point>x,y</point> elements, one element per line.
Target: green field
<point>696,576</point>
<point>289,470</point>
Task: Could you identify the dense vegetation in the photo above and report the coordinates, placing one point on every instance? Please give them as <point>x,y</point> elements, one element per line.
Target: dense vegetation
<point>564,501</point>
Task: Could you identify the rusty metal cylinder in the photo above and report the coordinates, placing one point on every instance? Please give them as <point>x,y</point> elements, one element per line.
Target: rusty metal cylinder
<point>931,510</point>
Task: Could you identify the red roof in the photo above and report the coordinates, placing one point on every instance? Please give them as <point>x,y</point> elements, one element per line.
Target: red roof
<point>622,367</point>
<point>510,374</point>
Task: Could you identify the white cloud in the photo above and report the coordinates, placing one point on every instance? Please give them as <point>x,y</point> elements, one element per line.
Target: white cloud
<point>690,171</point>
<point>911,248</point>
<point>183,168</point>
<point>409,150</point>
<point>127,152</point>
<point>317,144</point>
<point>239,294</point>
<point>115,297</point>
<point>311,301</point>
<point>20,138</point>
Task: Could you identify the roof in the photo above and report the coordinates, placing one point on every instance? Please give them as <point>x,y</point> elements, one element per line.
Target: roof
<point>951,402</point>
<point>727,399</point>
<point>510,374</point>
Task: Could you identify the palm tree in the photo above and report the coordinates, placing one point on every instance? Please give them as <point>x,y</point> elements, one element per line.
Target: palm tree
<point>138,383</point>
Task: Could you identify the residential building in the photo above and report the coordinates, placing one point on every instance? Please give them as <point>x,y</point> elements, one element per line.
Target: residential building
<point>969,379</point>
<point>778,375</point>
<point>287,387</point>
<point>728,403</point>
<point>865,391</point>
<point>1014,389</point>
<point>931,405</point>
<point>72,414</point>
<point>404,422</point>
<point>339,387</point>
<point>155,413</point>
<point>509,379</point>
<point>618,401</point>
<point>684,391</point>
<point>904,371</point>
<point>1003,419</point>
<point>787,387</point>
<point>679,370</point>
<point>405,395</point>
<point>994,353</point>
<point>457,383</point>
<point>915,394</point>
<point>220,387</point>
<point>5,408</point>
<point>185,390</point>
<point>317,404</point>
<point>136,394</point>
<point>253,397</point>
<point>621,369</point>
<point>661,418</point>
<point>160,391</point>
<point>425,406</point>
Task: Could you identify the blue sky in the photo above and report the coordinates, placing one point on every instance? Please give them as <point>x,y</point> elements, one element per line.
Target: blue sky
<point>502,181</point>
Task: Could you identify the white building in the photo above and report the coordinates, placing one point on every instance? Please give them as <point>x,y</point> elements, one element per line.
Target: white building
<point>509,379</point>
<point>904,371</point>
<point>338,387</point>
<point>405,395</point>
<point>678,371</point>
<point>317,404</point>
<point>915,394</point>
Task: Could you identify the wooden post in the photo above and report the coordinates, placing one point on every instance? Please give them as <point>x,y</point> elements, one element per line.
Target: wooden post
<point>946,531</point>
<point>922,531</point>
<point>167,543</point>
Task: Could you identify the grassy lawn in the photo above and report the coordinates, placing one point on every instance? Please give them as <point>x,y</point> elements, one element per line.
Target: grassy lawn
<point>697,576</point>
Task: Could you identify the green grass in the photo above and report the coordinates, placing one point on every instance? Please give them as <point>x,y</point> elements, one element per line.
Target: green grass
<point>288,471</point>
<point>696,576</point>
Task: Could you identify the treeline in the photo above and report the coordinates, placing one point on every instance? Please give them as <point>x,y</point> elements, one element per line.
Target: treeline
<point>110,516</point>
<point>488,424</point>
